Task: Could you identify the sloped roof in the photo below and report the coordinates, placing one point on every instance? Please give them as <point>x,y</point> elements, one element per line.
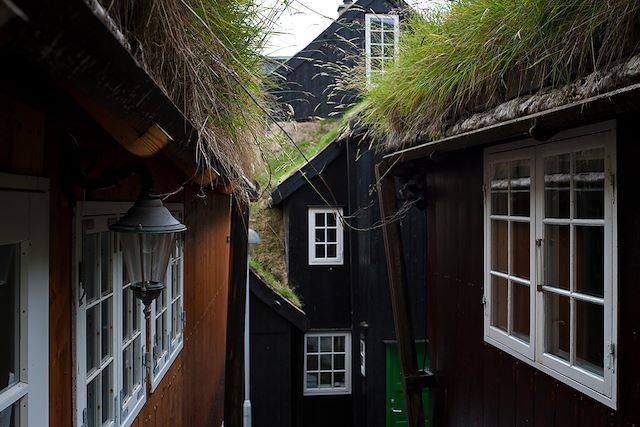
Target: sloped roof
<point>277,302</point>
<point>309,52</point>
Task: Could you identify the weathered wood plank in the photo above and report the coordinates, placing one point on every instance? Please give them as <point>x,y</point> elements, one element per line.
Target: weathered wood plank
<point>399,293</point>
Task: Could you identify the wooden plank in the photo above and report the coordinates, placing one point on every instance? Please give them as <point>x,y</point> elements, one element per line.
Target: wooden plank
<point>399,294</point>
<point>234,369</point>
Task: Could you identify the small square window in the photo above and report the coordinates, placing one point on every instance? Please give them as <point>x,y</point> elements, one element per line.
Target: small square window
<point>327,363</point>
<point>325,236</point>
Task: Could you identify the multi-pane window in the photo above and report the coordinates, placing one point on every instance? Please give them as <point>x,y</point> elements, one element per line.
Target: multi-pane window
<point>327,363</point>
<point>381,44</point>
<point>550,270</point>
<point>110,331</point>
<point>325,236</point>
<point>167,313</point>
<point>24,307</point>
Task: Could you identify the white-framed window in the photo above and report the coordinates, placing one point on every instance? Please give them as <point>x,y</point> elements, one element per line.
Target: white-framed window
<point>110,327</point>
<point>167,313</point>
<point>24,302</point>
<point>327,363</point>
<point>550,256</point>
<point>382,35</point>
<point>326,236</point>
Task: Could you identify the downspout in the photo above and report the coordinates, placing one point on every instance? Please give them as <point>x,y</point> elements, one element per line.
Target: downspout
<point>254,239</point>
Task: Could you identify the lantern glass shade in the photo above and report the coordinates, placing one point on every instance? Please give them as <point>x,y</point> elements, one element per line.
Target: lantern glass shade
<point>146,256</point>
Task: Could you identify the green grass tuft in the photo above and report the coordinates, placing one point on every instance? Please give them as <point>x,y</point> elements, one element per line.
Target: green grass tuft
<point>270,280</point>
<point>478,53</point>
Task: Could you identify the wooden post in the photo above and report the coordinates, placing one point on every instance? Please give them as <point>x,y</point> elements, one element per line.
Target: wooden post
<point>399,293</point>
<point>234,362</point>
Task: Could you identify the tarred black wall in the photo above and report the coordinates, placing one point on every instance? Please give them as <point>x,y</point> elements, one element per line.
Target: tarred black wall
<point>482,385</point>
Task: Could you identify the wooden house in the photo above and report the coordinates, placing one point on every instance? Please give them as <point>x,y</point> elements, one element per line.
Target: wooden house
<point>335,262</point>
<point>531,256</point>
<point>308,84</point>
<point>81,125</point>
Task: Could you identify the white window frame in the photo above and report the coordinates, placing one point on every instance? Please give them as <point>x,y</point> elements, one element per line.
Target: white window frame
<point>347,364</point>
<point>396,40</point>
<point>339,258</point>
<point>26,219</point>
<point>102,213</point>
<point>602,135</point>
<point>363,357</point>
<point>160,363</point>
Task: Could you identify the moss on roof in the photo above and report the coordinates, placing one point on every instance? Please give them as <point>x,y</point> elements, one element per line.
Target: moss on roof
<point>281,158</point>
<point>479,53</point>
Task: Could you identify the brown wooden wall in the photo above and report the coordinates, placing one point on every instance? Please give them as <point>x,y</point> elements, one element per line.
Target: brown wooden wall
<point>482,385</point>
<point>36,134</point>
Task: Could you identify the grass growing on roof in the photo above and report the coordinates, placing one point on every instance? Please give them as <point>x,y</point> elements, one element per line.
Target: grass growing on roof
<point>206,56</point>
<point>473,55</point>
<point>270,279</point>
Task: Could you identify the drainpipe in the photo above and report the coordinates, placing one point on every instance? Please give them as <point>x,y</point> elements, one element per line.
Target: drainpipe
<point>254,239</point>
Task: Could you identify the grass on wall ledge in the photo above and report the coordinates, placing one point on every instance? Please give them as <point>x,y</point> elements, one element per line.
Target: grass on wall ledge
<point>479,53</point>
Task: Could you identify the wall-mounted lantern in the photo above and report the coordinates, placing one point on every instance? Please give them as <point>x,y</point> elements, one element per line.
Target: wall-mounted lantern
<point>147,233</point>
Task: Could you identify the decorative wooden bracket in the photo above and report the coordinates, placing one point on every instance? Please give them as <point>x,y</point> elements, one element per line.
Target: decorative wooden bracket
<point>413,380</point>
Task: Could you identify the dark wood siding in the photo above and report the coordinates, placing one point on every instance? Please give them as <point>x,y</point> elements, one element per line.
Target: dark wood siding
<point>324,288</point>
<point>38,126</point>
<point>309,84</point>
<point>482,385</point>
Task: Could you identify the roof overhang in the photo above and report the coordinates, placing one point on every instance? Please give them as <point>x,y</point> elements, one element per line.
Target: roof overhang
<point>75,42</point>
<point>549,122</point>
<point>278,303</point>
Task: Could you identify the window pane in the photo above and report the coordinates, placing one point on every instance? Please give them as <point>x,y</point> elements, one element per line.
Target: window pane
<point>107,328</point>
<point>325,379</point>
<point>521,298</point>
<point>331,235</point>
<point>499,246</point>
<point>319,219</point>
<point>9,316</point>
<point>93,337</point>
<point>590,337</point>
<point>556,256</point>
<point>320,251</point>
<point>161,331</point>
<point>589,184</point>
<point>107,394</point>
<point>589,260</point>
<point>338,343</point>
<point>94,418</point>
<point>332,250</point>
<point>499,293</point>
<point>375,23</point>
<point>10,416</point>
<point>557,174</point>
<point>520,249</point>
<point>137,361</point>
<point>105,264</point>
<point>127,313</point>
<point>388,25</point>
<point>557,325</point>
<point>325,344</point>
<point>90,266</point>
<point>338,379</point>
<point>499,189</point>
<point>176,319</point>
<point>312,363</point>
<point>331,219</point>
<point>338,361</point>
<point>312,380</point>
<point>320,237</point>
<point>127,370</point>
<point>325,362</point>
<point>312,344</point>
<point>520,186</point>
<point>376,36</point>
<point>376,50</point>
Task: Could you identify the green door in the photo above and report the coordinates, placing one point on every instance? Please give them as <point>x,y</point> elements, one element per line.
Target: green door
<point>396,414</point>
